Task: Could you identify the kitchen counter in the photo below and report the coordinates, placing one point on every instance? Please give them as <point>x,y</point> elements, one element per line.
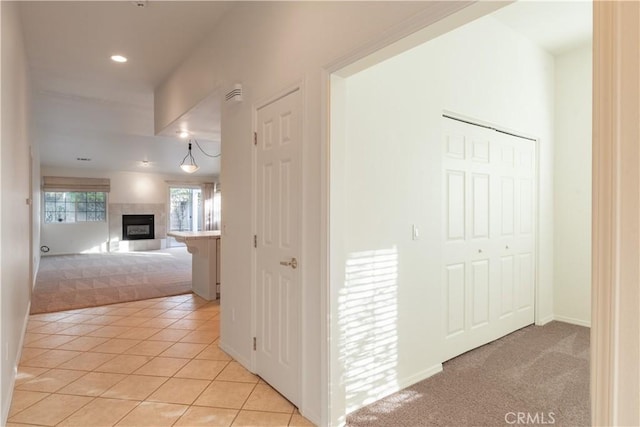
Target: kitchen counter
<point>205,267</point>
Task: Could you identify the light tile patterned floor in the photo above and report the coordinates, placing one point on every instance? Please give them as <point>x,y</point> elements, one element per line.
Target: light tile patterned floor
<point>144,363</point>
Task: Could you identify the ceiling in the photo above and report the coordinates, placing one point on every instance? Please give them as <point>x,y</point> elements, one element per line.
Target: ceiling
<point>556,26</point>
<point>86,106</point>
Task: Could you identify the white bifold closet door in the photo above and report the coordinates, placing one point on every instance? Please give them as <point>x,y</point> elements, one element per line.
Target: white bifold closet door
<point>489,201</point>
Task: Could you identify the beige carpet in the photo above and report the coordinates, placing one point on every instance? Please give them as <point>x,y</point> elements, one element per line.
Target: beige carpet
<point>538,375</point>
<point>77,281</point>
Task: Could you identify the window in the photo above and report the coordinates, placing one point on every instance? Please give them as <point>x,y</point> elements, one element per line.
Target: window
<point>74,206</point>
<point>217,210</point>
<point>185,209</point>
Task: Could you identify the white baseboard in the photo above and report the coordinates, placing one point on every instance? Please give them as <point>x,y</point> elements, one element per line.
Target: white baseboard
<point>422,375</point>
<point>236,356</point>
<point>545,320</point>
<point>311,416</point>
<point>12,381</point>
<point>402,383</point>
<point>573,321</point>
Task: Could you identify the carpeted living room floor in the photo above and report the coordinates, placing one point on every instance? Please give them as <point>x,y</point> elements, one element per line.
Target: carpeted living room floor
<point>67,282</point>
<point>541,372</point>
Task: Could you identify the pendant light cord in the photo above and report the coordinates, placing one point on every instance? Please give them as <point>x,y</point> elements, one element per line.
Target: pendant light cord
<point>204,152</point>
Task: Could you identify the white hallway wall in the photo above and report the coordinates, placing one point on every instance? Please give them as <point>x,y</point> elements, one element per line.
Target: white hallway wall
<point>126,187</point>
<point>268,47</point>
<point>393,179</point>
<point>15,283</point>
<point>572,187</point>
<point>36,207</point>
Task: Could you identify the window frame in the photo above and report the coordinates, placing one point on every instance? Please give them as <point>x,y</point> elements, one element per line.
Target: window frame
<point>76,208</point>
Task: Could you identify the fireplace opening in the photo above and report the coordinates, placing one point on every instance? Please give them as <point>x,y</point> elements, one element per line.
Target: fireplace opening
<point>137,227</point>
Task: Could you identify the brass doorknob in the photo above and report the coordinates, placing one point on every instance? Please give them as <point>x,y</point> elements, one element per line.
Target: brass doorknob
<point>293,263</point>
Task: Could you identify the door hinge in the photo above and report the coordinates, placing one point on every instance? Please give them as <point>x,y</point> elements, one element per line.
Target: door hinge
<point>255,138</point>
<point>255,346</point>
<point>255,240</point>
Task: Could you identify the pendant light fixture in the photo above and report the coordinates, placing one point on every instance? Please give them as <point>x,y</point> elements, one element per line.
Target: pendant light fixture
<point>188,164</point>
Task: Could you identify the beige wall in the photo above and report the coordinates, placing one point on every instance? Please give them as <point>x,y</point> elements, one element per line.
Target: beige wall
<point>572,187</point>
<point>15,283</point>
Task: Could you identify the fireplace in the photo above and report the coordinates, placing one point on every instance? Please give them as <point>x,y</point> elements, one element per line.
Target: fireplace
<point>137,227</point>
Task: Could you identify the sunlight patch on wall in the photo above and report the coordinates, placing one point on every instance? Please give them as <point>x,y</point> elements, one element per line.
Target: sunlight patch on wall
<point>368,314</point>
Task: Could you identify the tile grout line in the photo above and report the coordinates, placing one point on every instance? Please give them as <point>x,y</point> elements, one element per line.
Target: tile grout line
<point>199,324</point>
<point>27,407</point>
<point>204,389</point>
<point>244,403</point>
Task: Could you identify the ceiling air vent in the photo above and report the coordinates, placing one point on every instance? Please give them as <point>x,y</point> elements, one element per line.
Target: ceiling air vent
<point>235,94</point>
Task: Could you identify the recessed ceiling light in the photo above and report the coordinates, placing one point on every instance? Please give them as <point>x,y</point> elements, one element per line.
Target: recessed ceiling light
<point>118,58</point>
<point>183,133</point>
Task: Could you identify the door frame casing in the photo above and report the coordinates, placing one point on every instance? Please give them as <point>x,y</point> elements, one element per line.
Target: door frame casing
<point>257,105</point>
<point>615,308</point>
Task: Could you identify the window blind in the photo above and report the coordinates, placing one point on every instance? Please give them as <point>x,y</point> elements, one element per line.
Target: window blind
<point>62,183</point>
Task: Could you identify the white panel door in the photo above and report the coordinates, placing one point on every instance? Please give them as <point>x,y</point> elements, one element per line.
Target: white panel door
<point>488,238</point>
<point>278,245</point>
